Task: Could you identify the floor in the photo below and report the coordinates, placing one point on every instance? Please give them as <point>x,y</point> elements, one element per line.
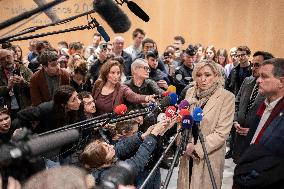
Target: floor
<point>227,175</point>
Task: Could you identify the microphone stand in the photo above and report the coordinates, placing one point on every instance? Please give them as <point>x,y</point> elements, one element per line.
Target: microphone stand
<point>34,28</point>
<point>207,161</point>
<point>52,33</point>
<point>97,121</point>
<point>160,159</point>
<point>29,14</point>
<point>179,150</point>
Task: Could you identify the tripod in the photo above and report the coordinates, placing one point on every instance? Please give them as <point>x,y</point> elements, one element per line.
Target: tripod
<point>160,159</point>
<point>197,117</point>
<point>186,126</point>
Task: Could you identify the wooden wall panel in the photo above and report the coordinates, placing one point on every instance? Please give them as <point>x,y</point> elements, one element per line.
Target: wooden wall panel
<point>223,23</point>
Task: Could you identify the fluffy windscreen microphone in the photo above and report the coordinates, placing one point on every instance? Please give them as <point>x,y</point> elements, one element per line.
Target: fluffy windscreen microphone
<point>120,109</point>
<point>113,15</point>
<point>137,11</point>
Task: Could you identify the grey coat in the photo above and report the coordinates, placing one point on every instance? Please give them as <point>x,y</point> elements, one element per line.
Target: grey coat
<point>241,104</point>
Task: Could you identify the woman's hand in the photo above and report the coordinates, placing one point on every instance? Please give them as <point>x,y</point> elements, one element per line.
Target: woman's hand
<point>150,98</point>
<point>190,151</point>
<point>12,183</point>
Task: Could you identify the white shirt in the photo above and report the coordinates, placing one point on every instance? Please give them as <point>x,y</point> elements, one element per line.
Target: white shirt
<point>133,51</point>
<point>264,117</point>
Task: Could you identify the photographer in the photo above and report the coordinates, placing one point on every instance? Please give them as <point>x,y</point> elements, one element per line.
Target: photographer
<point>14,83</point>
<point>103,54</point>
<point>99,156</point>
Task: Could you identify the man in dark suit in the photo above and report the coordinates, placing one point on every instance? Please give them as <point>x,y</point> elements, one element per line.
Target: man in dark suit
<point>234,82</point>
<point>246,101</point>
<point>266,132</point>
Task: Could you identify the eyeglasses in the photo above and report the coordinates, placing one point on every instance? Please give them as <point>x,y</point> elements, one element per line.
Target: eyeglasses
<point>147,68</point>
<point>240,55</point>
<point>255,65</point>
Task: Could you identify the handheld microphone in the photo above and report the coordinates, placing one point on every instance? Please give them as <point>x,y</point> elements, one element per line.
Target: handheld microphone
<point>170,111</point>
<point>187,121</point>
<point>174,98</point>
<point>172,89</point>
<point>113,15</point>
<point>184,104</point>
<point>197,114</point>
<point>166,93</point>
<point>118,110</point>
<point>133,7</point>
<point>182,113</point>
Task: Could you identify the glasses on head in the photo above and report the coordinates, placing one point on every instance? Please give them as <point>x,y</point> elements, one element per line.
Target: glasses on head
<point>241,55</point>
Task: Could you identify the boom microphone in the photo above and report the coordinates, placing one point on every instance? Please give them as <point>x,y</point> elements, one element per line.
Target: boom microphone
<point>103,33</point>
<point>137,11</point>
<point>38,146</point>
<point>113,15</point>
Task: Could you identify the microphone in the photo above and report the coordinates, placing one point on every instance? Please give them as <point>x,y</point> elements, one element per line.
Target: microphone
<point>37,146</point>
<point>197,114</point>
<point>113,15</point>
<point>118,110</point>
<point>133,7</point>
<point>182,113</point>
<point>184,104</point>
<point>174,98</point>
<point>161,117</point>
<point>187,121</point>
<point>103,33</point>
<point>172,89</point>
<point>170,111</point>
<point>166,93</point>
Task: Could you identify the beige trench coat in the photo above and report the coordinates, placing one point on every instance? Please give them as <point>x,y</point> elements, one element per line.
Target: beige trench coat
<point>215,126</point>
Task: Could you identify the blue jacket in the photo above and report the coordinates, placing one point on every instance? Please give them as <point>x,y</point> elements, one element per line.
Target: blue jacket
<point>126,146</point>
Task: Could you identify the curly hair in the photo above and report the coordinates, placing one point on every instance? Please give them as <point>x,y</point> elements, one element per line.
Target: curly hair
<point>47,56</point>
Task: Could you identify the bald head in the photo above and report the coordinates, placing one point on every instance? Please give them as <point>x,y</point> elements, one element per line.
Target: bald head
<point>118,44</point>
<point>6,58</point>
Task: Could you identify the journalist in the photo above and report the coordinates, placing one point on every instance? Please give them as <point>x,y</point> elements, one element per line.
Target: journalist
<point>99,157</point>
<point>108,92</point>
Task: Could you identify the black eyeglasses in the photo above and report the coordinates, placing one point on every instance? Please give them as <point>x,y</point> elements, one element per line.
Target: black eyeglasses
<point>147,68</point>
<point>255,65</point>
<point>240,55</point>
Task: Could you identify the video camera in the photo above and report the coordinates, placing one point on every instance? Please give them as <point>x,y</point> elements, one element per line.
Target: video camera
<point>121,174</point>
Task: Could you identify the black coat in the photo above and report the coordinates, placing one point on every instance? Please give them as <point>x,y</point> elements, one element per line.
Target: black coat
<point>259,168</point>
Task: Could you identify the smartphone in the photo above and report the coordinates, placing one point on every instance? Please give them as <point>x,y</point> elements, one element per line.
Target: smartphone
<point>16,72</point>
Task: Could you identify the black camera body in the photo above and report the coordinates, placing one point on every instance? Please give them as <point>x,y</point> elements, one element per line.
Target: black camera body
<point>121,174</point>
